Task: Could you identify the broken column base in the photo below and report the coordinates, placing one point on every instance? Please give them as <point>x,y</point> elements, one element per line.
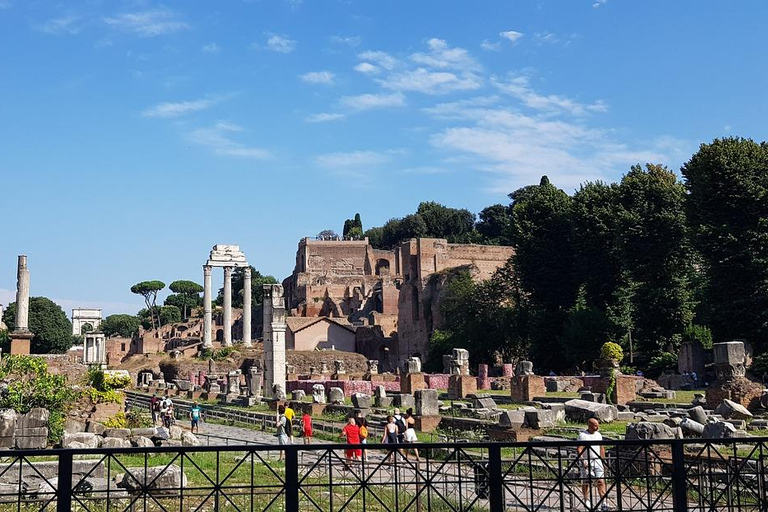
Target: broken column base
<point>20,342</point>
<point>524,388</point>
<point>740,390</point>
<point>427,423</point>
<point>459,386</point>
<point>624,393</point>
<point>411,382</point>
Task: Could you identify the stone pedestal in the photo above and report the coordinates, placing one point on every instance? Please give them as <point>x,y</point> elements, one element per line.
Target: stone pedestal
<point>20,342</point>
<point>507,370</point>
<point>411,382</point>
<point>483,381</point>
<point>525,387</point>
<point>625,389</point>
<point>459,386</point>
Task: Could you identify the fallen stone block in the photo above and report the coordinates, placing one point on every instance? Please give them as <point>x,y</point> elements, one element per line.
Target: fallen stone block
<point>718,430</point>
<point>692,427</point>
<point>697,414</point>
<point>361,401</point>
<point>89,440</point>
<point>115,442</point>
<point>484,403</point>
<point>732,410</point>
<point>156,480</point>
<point>120,433</point>
<point>143,442</point>
<point>581,411</point>
<point>190,439</point>
<point>540,418</point>
<point>646,430</point>
<point>512,419</point>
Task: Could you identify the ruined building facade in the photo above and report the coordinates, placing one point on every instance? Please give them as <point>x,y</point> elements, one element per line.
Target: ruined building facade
<point>392,296</point>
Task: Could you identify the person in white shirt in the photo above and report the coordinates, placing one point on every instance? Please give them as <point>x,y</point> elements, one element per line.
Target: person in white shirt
<point>591,459</point>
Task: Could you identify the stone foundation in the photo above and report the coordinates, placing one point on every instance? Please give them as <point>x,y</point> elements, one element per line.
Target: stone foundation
<point>741,390</point>
<point>411,382</point>
<point>625,389</point>
<point>427,423</point>
<point>524,388</point>
<point>459,386</point>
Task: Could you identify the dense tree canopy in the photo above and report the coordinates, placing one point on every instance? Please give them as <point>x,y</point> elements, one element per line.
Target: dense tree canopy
<point>149,290</point>
<point>353,228</point>
<point>257,288</point>
<point>120,325</point>
<point>51,328</point>
<point>187,295</point>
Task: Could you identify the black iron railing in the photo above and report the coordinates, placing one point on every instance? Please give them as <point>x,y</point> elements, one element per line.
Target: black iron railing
<point>675,475</point>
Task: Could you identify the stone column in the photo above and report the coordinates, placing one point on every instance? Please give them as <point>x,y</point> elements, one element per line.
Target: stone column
<point>22,296</point>
<point>247,306</point>
<point>227,306</point>
<point>274,338</point>
<point>207,340</point>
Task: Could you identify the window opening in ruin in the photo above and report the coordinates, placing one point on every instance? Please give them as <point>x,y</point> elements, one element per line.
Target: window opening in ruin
<point>415,303</point>
<point>382,267</point>
<point>220,335</point>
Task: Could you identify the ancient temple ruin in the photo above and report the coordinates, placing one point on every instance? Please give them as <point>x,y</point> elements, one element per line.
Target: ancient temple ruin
<point>227,257</point>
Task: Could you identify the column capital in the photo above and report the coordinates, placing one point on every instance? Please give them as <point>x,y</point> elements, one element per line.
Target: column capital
<point>247,271</point>
<point>227,271</point>
<point>207,270</point>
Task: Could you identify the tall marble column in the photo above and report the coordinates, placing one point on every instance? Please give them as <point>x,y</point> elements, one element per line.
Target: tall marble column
<point>247,306</point>
<point>274,338</point>
<point>227,306</point>
<point>22,296</point>
<point>207,340</point>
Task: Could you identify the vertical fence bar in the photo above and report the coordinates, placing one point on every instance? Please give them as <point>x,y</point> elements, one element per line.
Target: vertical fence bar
<point>679,486</point>
<point>64,487</point>
<point>291,478</point>
<point>495,478</point>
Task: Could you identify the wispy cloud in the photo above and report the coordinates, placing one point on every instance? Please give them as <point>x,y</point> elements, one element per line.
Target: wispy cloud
<point>352,159</point>
<point>373,101</point>
<point>351,41</point>
<point>511,35</point>
<point>520,88</point>
<point>217,138</point>
<point>69,25</point>
<point>489,46</point>
<point>432,82</point>
<point>324,117</point>
<point>211,48</point>
<point>167,110</point>
<point>148,23</point>
<point>426,170</point>
<point>379,59</point>
<point>318,77</point>
<point>598,3</point>
<point>442,56</point>
<point>280,44</point>
<point>367,68</point>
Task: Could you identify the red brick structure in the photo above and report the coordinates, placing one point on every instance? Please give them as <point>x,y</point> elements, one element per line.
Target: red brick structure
<point>459,386</point>
<point>410,382</point>
<point>525,388</point>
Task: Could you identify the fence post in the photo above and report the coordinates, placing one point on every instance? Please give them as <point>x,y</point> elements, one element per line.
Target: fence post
<point>291,478</point>
<point>679,485</point>
<point>495,478</point>
<point>64,487</point>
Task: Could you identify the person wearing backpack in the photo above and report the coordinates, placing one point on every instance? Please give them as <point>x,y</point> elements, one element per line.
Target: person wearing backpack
<point>401,425</point>
<point>282,428</point>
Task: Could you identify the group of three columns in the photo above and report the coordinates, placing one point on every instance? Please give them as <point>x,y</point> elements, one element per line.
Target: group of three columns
<point>208,311</point>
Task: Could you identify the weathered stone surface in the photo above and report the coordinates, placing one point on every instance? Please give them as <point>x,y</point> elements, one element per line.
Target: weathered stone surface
<point>731,410</point>
<point>719,430</point>
<point>34,438</point>
<point>115,442</point>
<point>730,358</point>
<point>697,414</point>
<point>484,402</point>
<point>88,439</point>
<point>143,432</point>
<point>71,426</point>
<point>170,442</point>
<point>7,427</point>
<point>427,403</point>
<point>459,386</point>
<point>336,395</point>
<point>36,417</point>
<point>581,411</point>
<point>404,401</point>
<point>175,432</point>
<point>626,416</point>
<point>318,394</point>
<point>153,479</point>
<point>692,427</point>
<point>512,419</point>
<point>764,399</point>
<point>142,442</point>
<point>95,428</point>
<point>298,395</point>
<point>540,418</point>
<point>648,430</point>
<point>189,439</point>
<point>383,402</point>
<point>120,433</point>
<point>361,401</point>
<point>558,411</point>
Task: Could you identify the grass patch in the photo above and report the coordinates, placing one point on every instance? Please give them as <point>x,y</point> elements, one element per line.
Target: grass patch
<point>562,394</point>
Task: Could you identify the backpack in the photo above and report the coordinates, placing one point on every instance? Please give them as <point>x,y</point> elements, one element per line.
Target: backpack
<point>401,426</point>
<point>156,406</point>
<point>363,432</point>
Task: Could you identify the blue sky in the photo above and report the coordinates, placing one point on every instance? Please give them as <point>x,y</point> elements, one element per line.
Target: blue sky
<point>135,135</point>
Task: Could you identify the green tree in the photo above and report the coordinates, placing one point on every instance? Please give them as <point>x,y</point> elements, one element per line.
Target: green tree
<point>238,280</point>
<point>541,231</point>
<point>657,254</point>
<point>169,315</point>
<point>121,325</point>
<point>493,225</point>
<point>327,234</point>
<point>727,182</point>
<point>188,293</point>
<point>453,224</point>
<point>375,237</point>
<point>353,228</point>
<point>51,328</point>
<point>149,290</point>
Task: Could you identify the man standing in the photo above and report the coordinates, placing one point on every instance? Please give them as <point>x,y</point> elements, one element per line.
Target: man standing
<point>154,407</point>
<point>592,469</point>
<point>194,417</point>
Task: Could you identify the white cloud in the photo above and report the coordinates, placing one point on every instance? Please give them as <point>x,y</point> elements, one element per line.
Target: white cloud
<point>216,138</point>
<point>426,170</point>
<point>351,41</point>
<point>352,159</point>
<point>318,77</point>
<point>324,117</point>
<point>512,35</point>
<point>211,48</point>
<point>520,88</point>
<point>367,68</point>
<point>431,82</point>
<point>169,110</point>
<point>148,23</point>
<point>66,25</point>
<point>372,101</point>
<point>489,46</point>
<point>442,56</point>
<point>546,37</point>
<point>598,3</point>
<point>381,59</point>
<point>280,44</point>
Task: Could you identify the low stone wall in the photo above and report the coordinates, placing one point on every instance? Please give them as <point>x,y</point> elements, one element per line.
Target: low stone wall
<point>437,380</point>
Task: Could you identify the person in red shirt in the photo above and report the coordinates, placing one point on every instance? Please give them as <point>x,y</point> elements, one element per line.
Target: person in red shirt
<point>306,428</point>
<point>352,432</point>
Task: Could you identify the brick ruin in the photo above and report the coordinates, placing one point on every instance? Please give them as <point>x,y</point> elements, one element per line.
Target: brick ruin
<point>392,296</point>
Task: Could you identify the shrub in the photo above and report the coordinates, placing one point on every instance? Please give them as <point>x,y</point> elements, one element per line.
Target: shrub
<point>698,334</point>
<point>611,350</point>
<point>117,421</point>
<point>116,381</point>
<point>664,361</point>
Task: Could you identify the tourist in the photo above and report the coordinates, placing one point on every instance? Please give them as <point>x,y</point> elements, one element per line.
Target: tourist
<point>410,434</point>
<point>169,418</point>
<point>194,417</point>
<point>282,429</point>
<point>290,415</point>
<point>390,436</point>
<point>306,428</point>
<point>154,408</point>
<point>695,378</point>
<point>592,469</point>
<point>363,426</point>
<point>401,425</point>
<point>352,434</point>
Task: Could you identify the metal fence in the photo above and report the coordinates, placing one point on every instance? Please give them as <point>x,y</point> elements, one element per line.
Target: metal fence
<point>655,476</point>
